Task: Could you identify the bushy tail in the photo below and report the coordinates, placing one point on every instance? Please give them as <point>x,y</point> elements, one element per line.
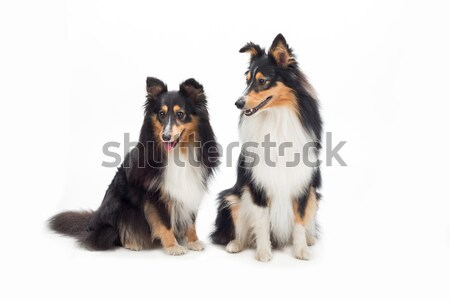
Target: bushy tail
<point>224,227</point>
<point>71,223</point>
<point>90,235</point>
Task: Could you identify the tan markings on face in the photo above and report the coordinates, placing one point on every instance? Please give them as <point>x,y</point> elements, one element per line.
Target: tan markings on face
<point>248,76</point>
<point>281,96</point>
<point>259,75</point>
<point>191,233</point>
<point>177,129</point>
<point>189,134</point>
<point>310,210</point>
<point>157,129</point>
<point>159,230</point>
<point>164,108</point>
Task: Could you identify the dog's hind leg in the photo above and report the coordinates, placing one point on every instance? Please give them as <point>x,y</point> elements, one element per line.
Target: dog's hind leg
<point>241,228</point>
<point>129,240</point>
<point>134,232</point>
<point>254,208</point>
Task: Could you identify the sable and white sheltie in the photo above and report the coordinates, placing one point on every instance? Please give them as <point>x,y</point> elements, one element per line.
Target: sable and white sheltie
<point>274,202</point>
<point>156,192</point>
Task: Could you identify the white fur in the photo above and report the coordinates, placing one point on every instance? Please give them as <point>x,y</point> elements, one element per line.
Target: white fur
<point>234,246</point>
<point>196,246</point>
<point>299,245</point>
<point>252,219</point>
<point>281,183</point>
<point>185,186</point>
<point>175,250</point>
<point>261,229</point>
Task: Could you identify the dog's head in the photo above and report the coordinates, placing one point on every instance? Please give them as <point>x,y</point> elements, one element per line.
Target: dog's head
<point>267,77</point>
<point>175,115</point>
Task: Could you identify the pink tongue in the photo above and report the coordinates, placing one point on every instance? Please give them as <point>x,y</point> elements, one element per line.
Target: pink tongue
<point>168,145</point>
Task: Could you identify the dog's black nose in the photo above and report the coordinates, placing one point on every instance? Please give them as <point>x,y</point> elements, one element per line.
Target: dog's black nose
<point>166,137</point>
<point>240,103</point>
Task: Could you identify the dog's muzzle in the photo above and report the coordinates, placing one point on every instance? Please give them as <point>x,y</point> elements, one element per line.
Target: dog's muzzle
<point>253,110</point>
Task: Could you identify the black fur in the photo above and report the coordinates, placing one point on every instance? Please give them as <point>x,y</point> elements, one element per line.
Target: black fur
<point>224,224</point>
<point>139,178</point>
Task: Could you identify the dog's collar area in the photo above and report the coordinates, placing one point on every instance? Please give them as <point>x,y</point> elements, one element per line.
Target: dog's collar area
<point>253,110</point>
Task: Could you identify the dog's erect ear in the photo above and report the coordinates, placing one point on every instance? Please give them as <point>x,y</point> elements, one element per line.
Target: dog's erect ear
<point>192,89</point>
<point>155,87</point>
<point>281,52</point>
<point>254,50</point>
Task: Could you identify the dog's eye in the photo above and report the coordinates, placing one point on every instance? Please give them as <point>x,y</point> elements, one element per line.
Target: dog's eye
<point>261,81</point>
<point>162,114</point>
<point>180,115</point>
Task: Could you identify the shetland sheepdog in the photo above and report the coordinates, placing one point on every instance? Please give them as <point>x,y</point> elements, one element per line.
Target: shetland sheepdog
<point>156,192</point>
<point>275,198</point>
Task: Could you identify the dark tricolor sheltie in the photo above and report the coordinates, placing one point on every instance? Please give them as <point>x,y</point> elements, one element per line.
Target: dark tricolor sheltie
<point>274,202</point>
<point>156,192</point>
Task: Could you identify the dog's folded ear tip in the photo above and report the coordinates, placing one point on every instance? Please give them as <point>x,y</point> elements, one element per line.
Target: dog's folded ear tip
<point>191,88</point>
<point>155,86</point>
<point>192,82</point>
<point>153,80</point>
<point>253,49</point>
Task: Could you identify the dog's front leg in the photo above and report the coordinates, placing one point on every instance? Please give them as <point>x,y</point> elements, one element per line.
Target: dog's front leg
<point>162,231</point>
<point>193,243</point>
<point>261,229</point>
<point>303,233</point>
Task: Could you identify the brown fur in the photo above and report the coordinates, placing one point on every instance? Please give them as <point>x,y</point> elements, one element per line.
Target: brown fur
<point>310,210</point>
<point>259,75</point>
<point>281,54</point>
<point>189,134</point>
<point>157,129</point>
<point>191,233</point>
<point>234,206</point>
<point>281,96</point>
<point>252,52</point>
<point>176,108</point>
<point>159,231</point>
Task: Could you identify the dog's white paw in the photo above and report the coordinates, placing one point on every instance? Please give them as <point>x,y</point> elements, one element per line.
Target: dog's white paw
<point>196,245</point>
<point>301,252</point>
<point>263,255</point>
<point>310,239</point>
<point>175,250</point>
<point>234,246</point>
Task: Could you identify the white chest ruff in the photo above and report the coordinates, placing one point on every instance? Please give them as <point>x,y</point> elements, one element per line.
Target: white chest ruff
<point>285,176</point>
<point>184,183</point>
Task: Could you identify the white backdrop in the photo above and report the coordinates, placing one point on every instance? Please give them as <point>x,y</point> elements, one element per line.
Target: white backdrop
<point>73,77</point>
